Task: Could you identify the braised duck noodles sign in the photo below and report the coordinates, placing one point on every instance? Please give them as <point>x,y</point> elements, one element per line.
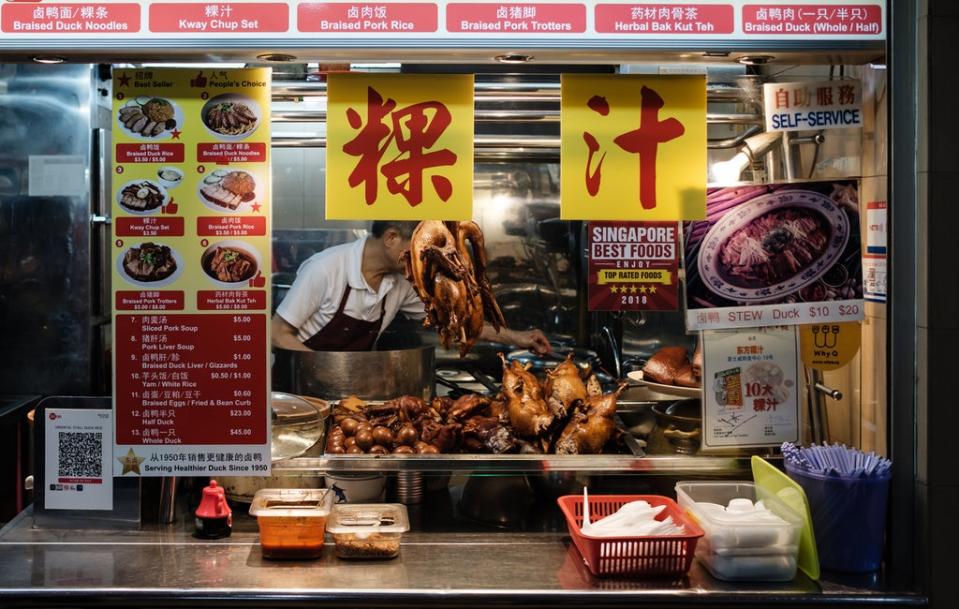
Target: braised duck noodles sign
<point>633,147</point>
<point>399,147</point>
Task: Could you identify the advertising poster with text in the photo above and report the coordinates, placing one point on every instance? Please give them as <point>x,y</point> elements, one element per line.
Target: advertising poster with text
<point>750,387</point>
<point>633,266</point>
<point>191,271</point>
<point>775,254</point>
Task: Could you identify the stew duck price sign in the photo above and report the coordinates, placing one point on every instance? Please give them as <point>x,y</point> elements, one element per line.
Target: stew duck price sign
<point>633,147</point>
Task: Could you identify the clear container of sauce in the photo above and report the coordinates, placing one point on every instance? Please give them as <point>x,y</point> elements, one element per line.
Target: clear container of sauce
<point>368,531</point>
<point>292,521</point>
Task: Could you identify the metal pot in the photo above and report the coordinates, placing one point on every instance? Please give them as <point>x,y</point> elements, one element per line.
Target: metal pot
<point>370,375</point>
<point>678,427</point>
<point>298,430</point>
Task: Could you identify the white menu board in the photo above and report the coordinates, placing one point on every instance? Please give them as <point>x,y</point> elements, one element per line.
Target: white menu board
<point>750,387</point>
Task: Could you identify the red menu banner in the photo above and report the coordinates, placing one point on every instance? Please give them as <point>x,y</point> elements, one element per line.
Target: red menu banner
<point>231,226</point>
<point>80,18</point>
<point>148,300</point>
<point>812,19</point>
<point>149,227</point>
<point>190,378</point>
<point>149,153</point>
<point>516,18</point>
<point>225,153</point>
<point>232,17</point>
<point>633,266</point>
<point>683,19</point>
<point>392,17</point>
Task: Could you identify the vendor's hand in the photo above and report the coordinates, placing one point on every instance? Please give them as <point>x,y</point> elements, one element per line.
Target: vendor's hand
<point>534,340</point>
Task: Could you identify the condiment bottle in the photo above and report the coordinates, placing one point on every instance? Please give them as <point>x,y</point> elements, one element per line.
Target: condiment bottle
<point>214,518</point>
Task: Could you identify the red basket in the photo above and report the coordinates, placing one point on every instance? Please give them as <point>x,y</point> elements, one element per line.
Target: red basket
<point>656,555</point>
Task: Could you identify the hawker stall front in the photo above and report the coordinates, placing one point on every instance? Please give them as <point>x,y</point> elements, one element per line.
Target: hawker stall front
<point>453,303</point>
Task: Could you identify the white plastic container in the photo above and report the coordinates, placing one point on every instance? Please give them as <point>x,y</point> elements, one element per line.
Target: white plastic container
<point>741,550</point>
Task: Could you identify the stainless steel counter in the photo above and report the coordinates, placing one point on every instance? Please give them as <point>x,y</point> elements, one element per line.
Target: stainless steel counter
<point>166,566</point>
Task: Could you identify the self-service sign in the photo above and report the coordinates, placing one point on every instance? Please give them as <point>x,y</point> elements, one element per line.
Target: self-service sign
<point>799,106</point>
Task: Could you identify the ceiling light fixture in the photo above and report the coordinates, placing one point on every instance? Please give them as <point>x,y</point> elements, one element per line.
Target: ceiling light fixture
<point>276,57</point>
<point>514,58</point>
<point>754,60</point>
<point>48,59</point>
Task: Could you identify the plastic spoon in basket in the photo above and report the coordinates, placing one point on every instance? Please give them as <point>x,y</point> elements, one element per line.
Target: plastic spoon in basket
<point>586,523</point>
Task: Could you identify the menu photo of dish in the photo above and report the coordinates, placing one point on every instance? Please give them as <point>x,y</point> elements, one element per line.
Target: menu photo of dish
<point>776,254</point>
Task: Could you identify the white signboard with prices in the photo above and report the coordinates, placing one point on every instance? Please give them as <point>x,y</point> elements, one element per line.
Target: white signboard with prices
<point>78,445</point>
<point>750,387</point>
<point>800,106</point>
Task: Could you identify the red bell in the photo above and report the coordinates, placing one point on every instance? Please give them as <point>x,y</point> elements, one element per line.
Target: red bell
<point>214,518</point>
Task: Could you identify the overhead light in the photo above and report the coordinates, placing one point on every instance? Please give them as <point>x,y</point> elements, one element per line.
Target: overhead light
<point>279,57</point>
<point>716,54</point>
<point>49,59</point>
<point>755,60</point>
<point>514,58</point>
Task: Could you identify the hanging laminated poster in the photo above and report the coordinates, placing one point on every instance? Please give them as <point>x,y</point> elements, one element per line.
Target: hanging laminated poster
<point>750,387</point>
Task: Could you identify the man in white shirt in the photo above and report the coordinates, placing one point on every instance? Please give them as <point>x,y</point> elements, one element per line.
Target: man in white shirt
<point>344,296</point>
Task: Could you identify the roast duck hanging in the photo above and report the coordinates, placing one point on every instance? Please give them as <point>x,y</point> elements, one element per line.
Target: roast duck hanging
<point>567,417</point>
<point>446,264</point>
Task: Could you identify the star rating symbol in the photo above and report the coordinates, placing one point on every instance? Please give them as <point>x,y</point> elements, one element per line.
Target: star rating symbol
<point>613,289</point>
<point>123,80</point>
<point>175,134</point>
<point>633,289</point>
<point>131,462</point>
<point>651,289</point>
<point>256,207</point>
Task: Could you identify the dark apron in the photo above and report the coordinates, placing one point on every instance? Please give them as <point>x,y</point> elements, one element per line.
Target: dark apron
<point>345,333</point>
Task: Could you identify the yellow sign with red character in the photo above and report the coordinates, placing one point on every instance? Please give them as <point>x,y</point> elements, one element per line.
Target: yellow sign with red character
<point>633,147</point>
<point>399,147</point>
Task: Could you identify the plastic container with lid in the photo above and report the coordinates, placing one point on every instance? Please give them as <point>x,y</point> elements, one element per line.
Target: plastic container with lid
<point>738,549</point>
<point>368,530</point>
<point>292,521</point>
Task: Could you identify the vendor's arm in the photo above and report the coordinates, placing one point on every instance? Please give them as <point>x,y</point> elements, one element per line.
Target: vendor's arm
<point>285,336</point>
<point>534,340</point>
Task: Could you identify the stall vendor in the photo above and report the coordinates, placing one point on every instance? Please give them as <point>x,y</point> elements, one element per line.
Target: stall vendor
<point>344,296</point>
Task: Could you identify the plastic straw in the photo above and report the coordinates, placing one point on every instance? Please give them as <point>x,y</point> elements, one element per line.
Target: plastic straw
<point>837,460</point>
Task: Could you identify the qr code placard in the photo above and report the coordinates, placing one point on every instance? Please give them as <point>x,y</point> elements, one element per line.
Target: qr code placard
<point>81,454</point>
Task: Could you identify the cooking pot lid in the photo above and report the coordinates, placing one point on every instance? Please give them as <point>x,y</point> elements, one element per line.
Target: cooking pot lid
<point>291,410</point>
<point>297,426</point>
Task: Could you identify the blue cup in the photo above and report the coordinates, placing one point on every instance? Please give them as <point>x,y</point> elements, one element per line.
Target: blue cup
<point>849,518</point>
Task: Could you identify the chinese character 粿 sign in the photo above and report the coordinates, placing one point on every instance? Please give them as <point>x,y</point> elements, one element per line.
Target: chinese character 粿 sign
<point>633,147</point>
<point>399,147</point>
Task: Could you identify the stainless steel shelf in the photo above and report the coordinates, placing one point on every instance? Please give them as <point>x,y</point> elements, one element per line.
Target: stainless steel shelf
<point>623,464</point>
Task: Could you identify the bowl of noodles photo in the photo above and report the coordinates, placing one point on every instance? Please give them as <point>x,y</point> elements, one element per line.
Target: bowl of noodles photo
<point>231,116</point>
<point>773,246</point>
<point>230,264</point>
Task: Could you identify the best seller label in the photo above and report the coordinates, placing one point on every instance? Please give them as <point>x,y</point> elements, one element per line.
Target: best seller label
<point>798,106</point>
<point>633,266</point>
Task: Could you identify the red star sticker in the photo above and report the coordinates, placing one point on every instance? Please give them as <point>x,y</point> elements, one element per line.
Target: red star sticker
<point>175,134</point>
<point>124,80</point>
<point>256,207</point>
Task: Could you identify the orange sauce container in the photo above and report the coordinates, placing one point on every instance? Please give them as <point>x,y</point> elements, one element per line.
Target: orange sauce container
<point>292,521</point>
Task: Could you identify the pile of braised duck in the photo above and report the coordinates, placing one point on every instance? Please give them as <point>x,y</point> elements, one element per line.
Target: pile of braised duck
<point>567,416</point>
<point>449,276</point>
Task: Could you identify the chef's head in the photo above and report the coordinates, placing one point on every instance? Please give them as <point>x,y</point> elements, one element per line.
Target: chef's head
<point>395,237</point>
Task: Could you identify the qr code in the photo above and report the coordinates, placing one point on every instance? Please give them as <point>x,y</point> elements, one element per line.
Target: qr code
<point>81,454</point>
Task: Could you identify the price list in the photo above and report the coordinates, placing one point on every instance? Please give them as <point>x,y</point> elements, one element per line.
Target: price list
<point>190,374</point>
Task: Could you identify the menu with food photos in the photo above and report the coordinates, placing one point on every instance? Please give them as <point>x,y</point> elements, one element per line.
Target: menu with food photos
<point>191,271</point>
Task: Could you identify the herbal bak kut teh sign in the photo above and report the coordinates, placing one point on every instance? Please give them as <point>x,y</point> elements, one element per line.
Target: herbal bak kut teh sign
<point>633,147</point>
<point>400,147</point>
<point>633,266</point>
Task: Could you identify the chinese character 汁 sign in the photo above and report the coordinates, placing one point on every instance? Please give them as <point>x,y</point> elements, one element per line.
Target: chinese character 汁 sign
<point>633,147</point>
<point>191,272</point>
<point>633,266</point>
<point>399,147</point>
<point>750,387</point>
<point>828,104</point>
